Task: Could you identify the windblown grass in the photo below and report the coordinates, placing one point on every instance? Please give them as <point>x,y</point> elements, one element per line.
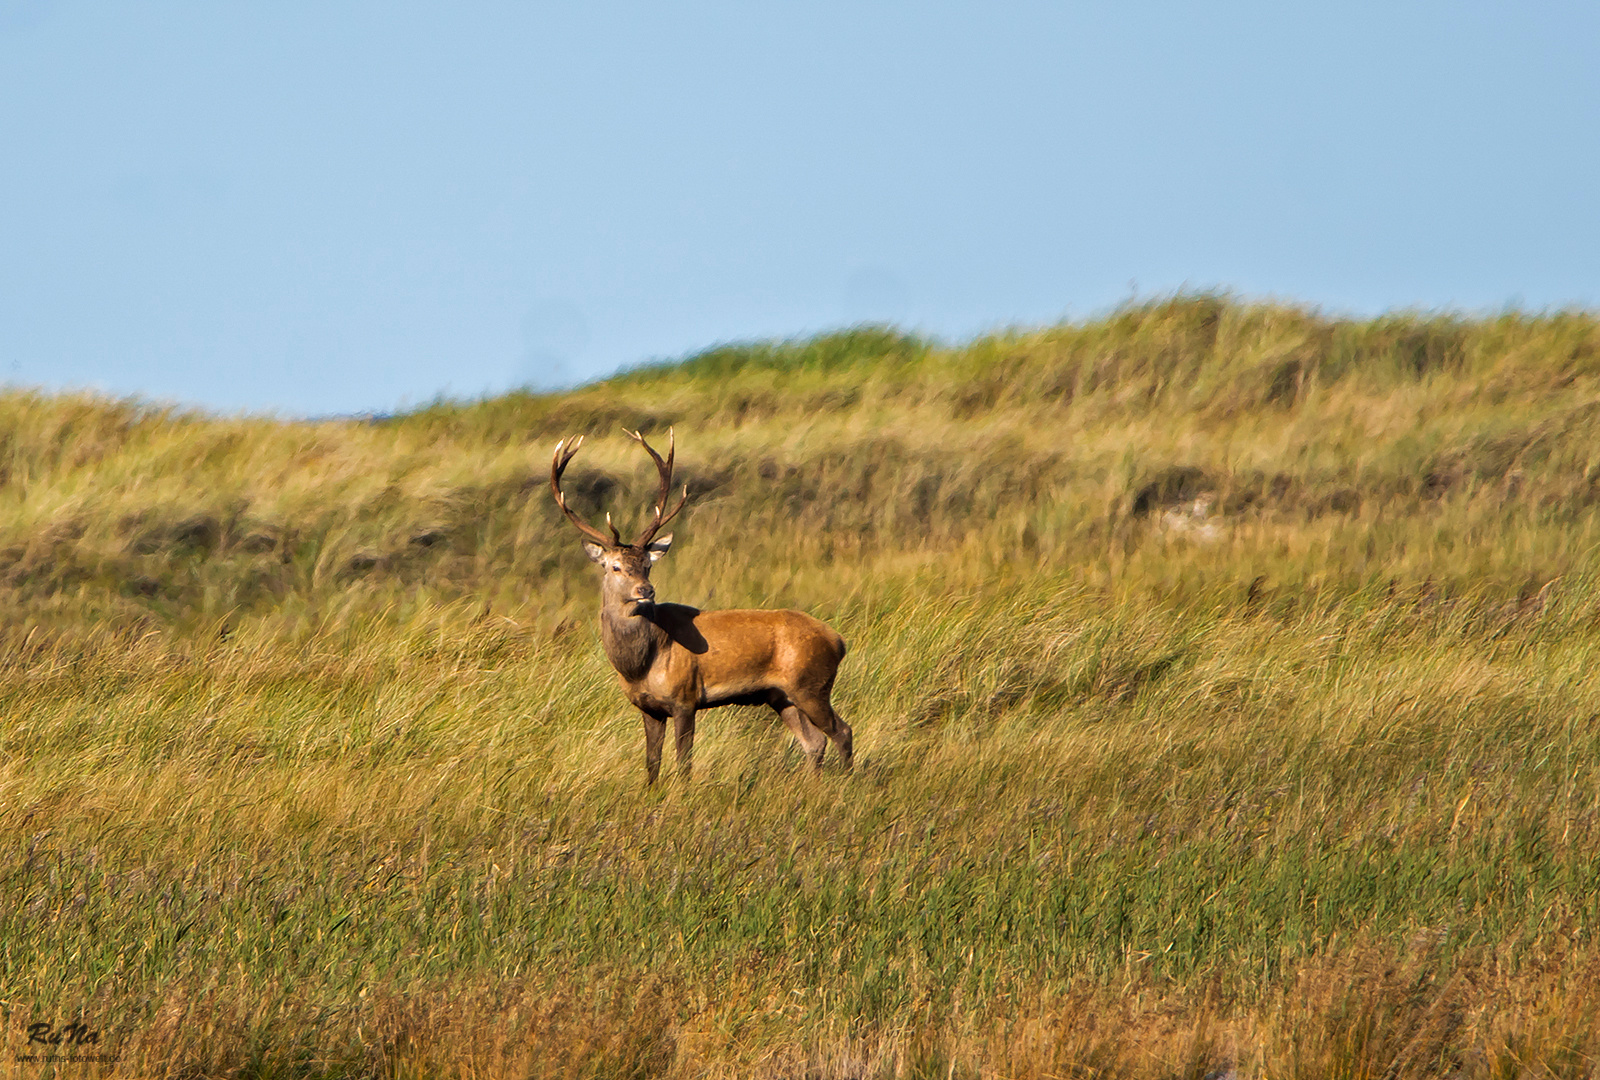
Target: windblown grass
<point>1224,680</point>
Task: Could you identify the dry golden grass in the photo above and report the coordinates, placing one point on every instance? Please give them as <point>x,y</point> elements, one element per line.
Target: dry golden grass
<point>1224,681</point>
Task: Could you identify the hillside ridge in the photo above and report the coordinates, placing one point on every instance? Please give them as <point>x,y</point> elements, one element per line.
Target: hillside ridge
<point>1072,443</point>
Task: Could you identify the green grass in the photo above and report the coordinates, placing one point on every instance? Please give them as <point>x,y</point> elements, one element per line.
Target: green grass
<point>1224,680</point>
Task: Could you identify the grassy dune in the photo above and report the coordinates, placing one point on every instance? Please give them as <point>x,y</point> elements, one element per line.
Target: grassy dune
<point>1225,679</point>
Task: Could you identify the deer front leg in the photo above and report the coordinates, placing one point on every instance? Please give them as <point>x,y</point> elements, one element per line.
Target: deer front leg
<point>655,732</point>
<point>683,724</point>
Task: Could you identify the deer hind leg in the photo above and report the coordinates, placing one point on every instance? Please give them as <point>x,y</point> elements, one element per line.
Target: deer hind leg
<point>811,740</point>
<point>819,711</point>
<point>683,727</point>
<point>655,732</point>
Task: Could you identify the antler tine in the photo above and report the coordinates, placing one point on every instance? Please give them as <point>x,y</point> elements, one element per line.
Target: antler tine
<point>558,465</point>
<point>664,468</point>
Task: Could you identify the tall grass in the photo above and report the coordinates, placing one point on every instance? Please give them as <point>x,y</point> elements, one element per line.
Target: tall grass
<point>1224,681</point>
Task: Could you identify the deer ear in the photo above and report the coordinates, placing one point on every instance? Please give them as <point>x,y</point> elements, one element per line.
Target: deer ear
<point>658,547</point>
<point>593,550</point>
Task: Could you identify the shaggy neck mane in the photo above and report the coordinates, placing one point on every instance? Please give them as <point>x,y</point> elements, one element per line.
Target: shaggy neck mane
<point>631,642</point>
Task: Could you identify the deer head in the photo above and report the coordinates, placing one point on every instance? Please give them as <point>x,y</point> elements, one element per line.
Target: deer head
<point>625,568</point>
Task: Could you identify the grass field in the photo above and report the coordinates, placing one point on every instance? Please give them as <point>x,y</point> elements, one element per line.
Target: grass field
<point>1225,680</point>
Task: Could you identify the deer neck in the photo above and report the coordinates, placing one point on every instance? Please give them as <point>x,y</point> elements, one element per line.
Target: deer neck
<point>631,641</point>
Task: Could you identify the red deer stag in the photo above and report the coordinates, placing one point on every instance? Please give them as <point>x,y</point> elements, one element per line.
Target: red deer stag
<point>674,660</point>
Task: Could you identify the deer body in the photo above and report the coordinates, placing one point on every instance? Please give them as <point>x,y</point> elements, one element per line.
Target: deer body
<point>673,660</point>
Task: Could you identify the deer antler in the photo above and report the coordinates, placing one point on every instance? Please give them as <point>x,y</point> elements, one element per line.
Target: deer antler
<point>665,469</point>
<point>558,465</point>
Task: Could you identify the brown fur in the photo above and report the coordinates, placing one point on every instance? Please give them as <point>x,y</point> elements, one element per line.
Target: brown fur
<point>673,660</point>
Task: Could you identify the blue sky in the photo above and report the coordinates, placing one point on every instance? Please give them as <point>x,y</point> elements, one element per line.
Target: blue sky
<point>337,206</point>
